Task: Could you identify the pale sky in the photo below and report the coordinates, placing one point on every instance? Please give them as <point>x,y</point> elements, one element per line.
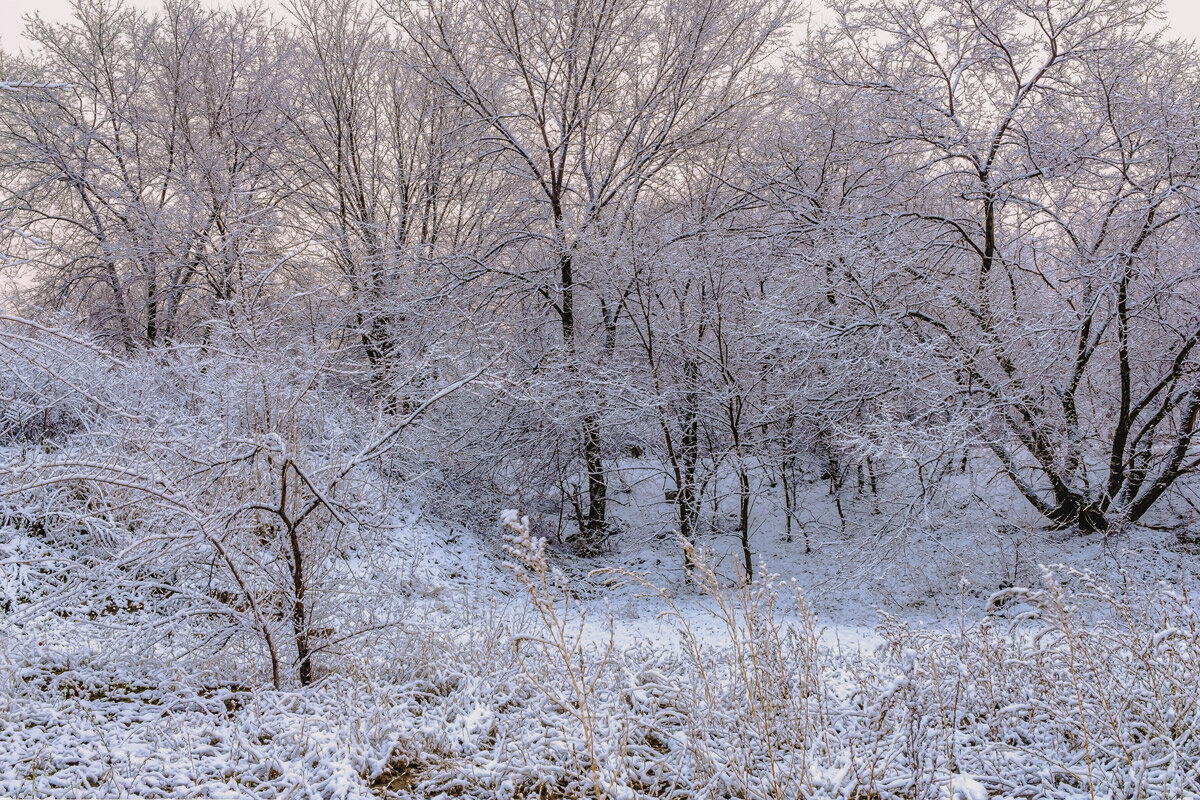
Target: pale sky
<point>1183,16</point>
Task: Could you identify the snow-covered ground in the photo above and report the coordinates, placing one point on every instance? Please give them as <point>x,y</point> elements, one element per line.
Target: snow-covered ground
<point>940,578</point>
<point>624,677</point>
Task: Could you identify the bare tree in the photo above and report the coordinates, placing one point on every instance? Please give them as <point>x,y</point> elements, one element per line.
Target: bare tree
<point>1042,202</point>
<point>592,102</point>
<point>141,173</point>
<point>390,176</point>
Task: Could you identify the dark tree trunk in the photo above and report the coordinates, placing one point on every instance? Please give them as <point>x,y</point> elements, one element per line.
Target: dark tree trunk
<point>744,519</point>
<point>594,524</point>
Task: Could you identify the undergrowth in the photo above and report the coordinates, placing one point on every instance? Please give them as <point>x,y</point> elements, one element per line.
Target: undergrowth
<point>1069,690</point>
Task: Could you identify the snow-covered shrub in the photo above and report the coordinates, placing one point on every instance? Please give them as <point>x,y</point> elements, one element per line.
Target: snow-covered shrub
<point>1072,689</point>
<point>227,491</point>
<point>48,390</point>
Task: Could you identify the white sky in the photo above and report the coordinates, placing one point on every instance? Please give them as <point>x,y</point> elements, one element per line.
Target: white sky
<point>1183,16</point>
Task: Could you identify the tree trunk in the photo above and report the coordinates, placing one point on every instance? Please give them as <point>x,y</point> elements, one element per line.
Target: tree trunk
<point>744,519</point>
<point>594,525</point>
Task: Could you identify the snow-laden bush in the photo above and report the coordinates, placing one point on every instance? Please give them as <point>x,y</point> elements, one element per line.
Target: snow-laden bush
<point>1094,684</point>
<point>216,503</point>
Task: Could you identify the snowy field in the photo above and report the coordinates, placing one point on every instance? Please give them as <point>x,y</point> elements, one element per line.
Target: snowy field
<point>519,681</point>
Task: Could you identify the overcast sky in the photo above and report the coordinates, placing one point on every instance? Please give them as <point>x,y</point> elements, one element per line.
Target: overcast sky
<point>1183,15</point>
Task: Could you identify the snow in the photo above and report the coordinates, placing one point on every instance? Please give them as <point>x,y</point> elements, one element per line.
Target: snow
<point>454,710</point>
<point>963,787</point>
